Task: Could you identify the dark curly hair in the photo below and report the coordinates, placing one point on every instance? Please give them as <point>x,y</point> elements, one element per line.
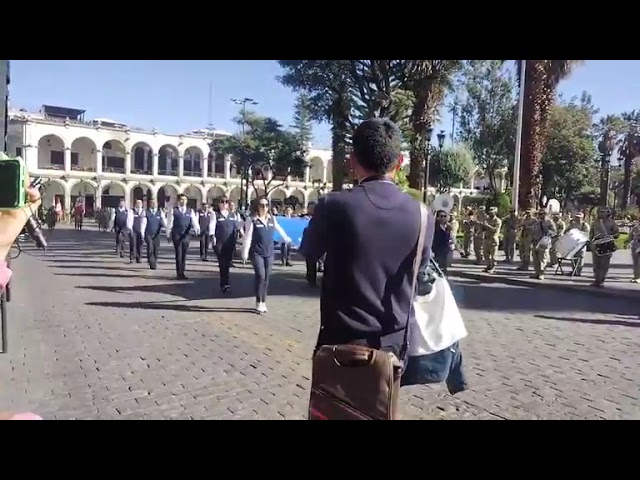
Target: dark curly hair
<point>377,145</point>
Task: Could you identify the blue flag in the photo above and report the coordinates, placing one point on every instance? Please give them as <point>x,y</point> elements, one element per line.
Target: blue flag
<point>293,227</point>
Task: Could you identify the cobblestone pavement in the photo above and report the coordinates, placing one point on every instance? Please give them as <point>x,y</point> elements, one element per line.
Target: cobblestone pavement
<point>91,336</point>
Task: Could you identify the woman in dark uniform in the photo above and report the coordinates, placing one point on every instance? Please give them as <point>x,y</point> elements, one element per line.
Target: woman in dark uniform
<point>258,248</point>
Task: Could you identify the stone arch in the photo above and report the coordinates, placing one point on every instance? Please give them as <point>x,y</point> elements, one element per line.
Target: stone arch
<point>299,199</point>
<point>216,165</point>
<point>83,155</point>
<point>85,189</point>
<point>142,191</point>
<point>112,192</point>
<point>168,156</point>
<point>312,196</point>
<point>54,190</point>
<point>195,195</point>
<point>214,193</point>
<point>316,169</point>
<point>113,156</point>
<point>142,158</point>
<point>51,152</point>
<point>193,160</point>
<point>234,195</point>
<point>168,195</point>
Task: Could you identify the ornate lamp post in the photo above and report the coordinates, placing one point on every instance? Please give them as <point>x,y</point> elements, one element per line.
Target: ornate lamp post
<point>427,161</point>
<point>605,147</point>
<point>441,138</point>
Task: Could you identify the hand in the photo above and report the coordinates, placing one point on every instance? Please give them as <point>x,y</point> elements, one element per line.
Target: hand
<point>13,221</point>
<point>19,416</point>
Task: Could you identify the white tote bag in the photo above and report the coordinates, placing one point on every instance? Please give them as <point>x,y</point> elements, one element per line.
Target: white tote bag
<point>438,323</point>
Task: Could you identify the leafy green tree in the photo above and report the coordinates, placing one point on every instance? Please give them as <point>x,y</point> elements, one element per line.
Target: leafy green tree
<point>451,167</point>
<point>487,115</point>
<point>302,119</point>
<point>629,151</point>
<point>570,161</point>
<point>265,154</point>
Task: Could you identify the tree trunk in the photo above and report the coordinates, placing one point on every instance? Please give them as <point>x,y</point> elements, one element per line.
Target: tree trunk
<point>339,134</point>
<point>626,185</point>
<point>418,144</point>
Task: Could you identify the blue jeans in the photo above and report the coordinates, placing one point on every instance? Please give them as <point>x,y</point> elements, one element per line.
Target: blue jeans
<point>443,366</point>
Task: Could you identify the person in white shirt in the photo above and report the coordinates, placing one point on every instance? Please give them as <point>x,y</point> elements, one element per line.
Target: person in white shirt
<point>156,221</point>
<point>258,247</point>
<point>181,221</point>
<point>136,225</point>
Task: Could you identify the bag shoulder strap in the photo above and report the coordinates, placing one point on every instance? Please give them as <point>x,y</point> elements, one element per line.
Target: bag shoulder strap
<point>422,233</point>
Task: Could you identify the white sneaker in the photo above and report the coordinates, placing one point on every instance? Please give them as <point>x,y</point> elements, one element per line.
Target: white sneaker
<point>262,307</point>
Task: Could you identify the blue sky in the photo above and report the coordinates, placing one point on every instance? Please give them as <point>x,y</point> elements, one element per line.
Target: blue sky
<point>173,95</point>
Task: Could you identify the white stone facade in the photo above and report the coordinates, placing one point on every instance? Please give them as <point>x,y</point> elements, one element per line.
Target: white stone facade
<point>105,163</point>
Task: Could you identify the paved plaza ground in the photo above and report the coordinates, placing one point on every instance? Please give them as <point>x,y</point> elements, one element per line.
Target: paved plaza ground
<point>92,337</point>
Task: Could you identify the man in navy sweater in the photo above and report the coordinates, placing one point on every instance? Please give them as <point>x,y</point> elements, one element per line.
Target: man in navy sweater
<point>369,235</point>
<point>182,220</point>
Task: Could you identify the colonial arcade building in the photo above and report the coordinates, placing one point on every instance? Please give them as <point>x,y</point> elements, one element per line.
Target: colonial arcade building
<point>105,161</point>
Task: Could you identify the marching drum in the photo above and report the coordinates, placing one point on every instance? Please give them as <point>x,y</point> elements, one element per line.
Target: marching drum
<point>604,246</point>
<point>571,243</point>
<point>544,243</point>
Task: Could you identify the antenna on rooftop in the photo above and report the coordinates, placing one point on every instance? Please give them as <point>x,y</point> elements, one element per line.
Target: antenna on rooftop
<point>210,124</point>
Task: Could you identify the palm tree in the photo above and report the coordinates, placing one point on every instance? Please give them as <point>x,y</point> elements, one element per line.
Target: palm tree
<point>541,81</point>
<point>629,151</point>
<point>428,81</point>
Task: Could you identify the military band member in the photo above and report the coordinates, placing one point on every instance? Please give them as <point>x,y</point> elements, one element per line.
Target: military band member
<point>634,243</point>
<point>156,221</point>
<point>205,216</point>
<point>578,222</point>
<point>225,228</point>
<point>478,234</point>
<point>491,228</point>
<point>180,223</point>
<point>510,229</point>
<point>604,226</point>
<point>561,227</point>
<point>525,241</point>
<point>136,224</point>
<point>543,227</point>
<point>119,222</point>
<point>467,232</point>
<point>454,228</point>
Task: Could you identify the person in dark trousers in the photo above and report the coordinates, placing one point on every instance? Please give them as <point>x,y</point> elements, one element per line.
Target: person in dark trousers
<point>369,235</point>
<point>224,227</point>
<point>119,222</point>
<point>204,220</point>
<point>442,240</point>
<point>285,248</point>
<point>156,221</point>
<point>136,224</point>
<point>258,248</point>
<point>181,221</point>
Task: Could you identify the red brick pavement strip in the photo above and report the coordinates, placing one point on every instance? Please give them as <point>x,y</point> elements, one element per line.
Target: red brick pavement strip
<point>94,337</point>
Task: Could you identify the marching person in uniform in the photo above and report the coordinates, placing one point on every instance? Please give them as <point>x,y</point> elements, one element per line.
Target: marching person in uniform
<point>525,242</point>
<point>454,227</point>
<point>510,228</point>
<point>560,229</point>
<point>442,240</point>
<point>604,227</point>
<point>136,224</point>
<point>258,247</point>
<point>156,221</point>
<point>491,228</point>
<point>478,235</point>
<point>285,248</point>
<point>542,227</point>
<point>119,222</point>
<point>180,223</point>
<point>467,232</point>
<point>225,228</point>
<point>205,216</point>
<point>634,243</point>
<point>312,265</point>
<point>578,222</point>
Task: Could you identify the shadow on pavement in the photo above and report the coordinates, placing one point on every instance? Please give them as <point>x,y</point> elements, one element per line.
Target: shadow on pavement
<point>176,307</point>
<point>499,297</point>
<point>590,321</point>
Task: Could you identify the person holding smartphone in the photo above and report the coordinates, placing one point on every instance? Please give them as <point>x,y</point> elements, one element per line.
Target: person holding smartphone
<point>258,247</point>
<point>11,224</point>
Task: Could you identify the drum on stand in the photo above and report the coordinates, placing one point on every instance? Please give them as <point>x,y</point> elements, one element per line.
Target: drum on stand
<point>571,243</point>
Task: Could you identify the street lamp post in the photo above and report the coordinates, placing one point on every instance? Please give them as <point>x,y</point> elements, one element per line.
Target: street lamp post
<point>441,138</point>
<point>427,161</point>
<point>246,174</point>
